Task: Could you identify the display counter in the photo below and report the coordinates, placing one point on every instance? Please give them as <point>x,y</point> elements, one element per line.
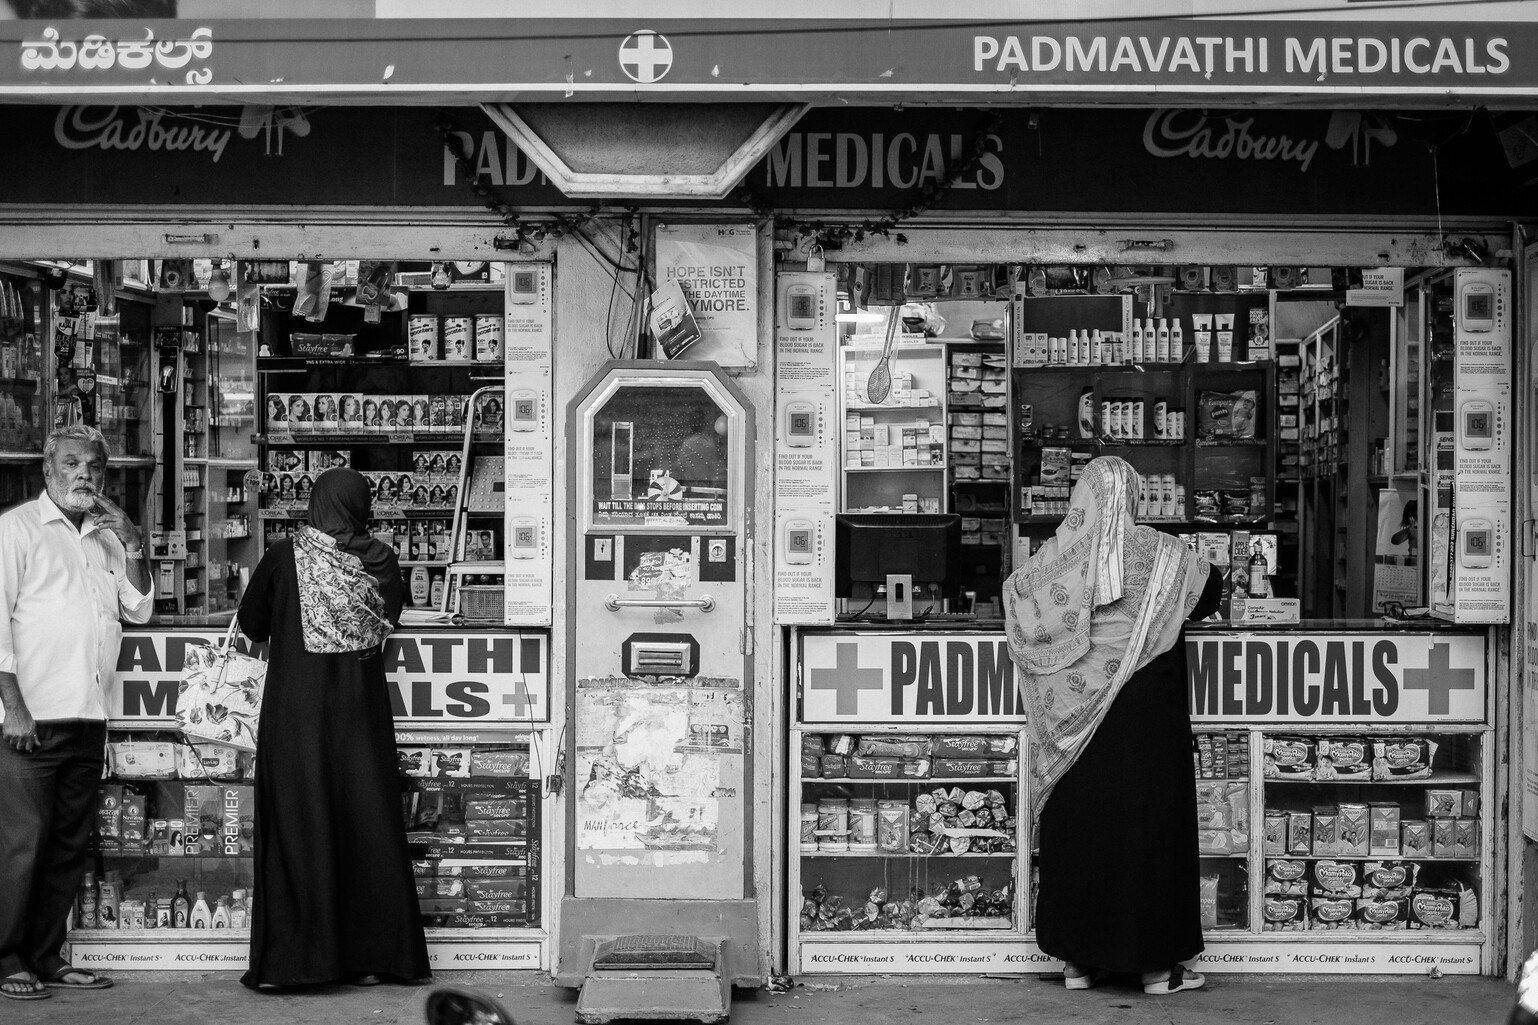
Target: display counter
<point>1344,780</point>
<point>472,711</point>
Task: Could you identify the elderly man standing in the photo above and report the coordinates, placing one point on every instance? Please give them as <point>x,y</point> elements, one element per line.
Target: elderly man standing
<point>71,568</point>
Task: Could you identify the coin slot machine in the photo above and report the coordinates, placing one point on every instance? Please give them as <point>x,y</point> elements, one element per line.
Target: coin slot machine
<point>659,870</point>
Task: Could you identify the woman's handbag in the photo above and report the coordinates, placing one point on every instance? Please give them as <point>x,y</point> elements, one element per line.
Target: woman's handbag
<point>220,700</point>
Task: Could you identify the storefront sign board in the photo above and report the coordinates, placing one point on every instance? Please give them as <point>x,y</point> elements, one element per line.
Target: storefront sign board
<point>529,446</point>
<point>716,265</point>
<point>1297,163</point>
<point>918,954</point>
<point>807,441</point>
<point>678,58</point>
<point>1363,679</point>
<point>461,680</point>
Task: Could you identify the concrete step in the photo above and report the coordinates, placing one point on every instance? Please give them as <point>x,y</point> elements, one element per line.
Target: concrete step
<point>656,995</point>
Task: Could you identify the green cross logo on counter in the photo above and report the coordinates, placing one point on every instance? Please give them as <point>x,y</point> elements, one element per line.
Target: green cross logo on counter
<point>846,679</point>
<point>1439,679</point>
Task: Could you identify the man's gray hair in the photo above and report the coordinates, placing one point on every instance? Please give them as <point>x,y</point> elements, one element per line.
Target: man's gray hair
<point>74,432</point>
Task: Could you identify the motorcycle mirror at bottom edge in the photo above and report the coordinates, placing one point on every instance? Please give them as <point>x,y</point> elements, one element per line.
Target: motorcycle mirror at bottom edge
<point>450,1005</point>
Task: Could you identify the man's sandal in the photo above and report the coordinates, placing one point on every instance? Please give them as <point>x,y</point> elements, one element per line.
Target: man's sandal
<point>23,986</point>
<point>60,979</point>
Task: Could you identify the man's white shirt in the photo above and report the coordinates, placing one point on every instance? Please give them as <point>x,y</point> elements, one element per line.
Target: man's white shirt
<point>64,594</point>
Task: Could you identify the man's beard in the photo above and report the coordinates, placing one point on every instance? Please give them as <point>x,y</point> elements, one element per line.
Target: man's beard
<point>75,498</point>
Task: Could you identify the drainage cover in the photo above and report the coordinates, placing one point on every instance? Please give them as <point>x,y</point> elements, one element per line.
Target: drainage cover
<point>654,951</point>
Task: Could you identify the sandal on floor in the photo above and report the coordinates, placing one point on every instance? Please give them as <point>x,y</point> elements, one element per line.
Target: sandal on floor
<point>57,979</point>
<point>1175,980</point>
<point>1075,977</point>
<point>34,990</point>
<point>363,980</point>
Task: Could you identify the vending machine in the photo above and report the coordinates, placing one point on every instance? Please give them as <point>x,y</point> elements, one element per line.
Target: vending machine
<point>659,917</point>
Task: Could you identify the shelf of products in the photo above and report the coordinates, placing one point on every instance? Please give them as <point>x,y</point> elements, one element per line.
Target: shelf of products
<point>895,452</point>
<point>393,408</point>
<point>929,840</point>
<point>473,825</point>
<point>173,840</point>
<point>1200,432</point>
<point>1372,832</point>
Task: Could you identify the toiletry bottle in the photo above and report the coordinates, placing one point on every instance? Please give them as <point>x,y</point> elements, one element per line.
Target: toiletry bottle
<point>435,596</point>
<point>1162,342</point>
<point>421,586</point>
<point>201,917</point>
<point>1096,347</point>
<point>88,917</point>
<point>1150,341</point>
<point>221,919</point>
<point>1073,347</point>
<point>1177,342</point>
<point>109,900</point>
<point>181,907</point>
<point>1135,350</point>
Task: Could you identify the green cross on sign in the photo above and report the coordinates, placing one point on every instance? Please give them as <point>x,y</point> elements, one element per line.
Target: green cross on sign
<point>1439,679</point>
<point>522,702</point>
<point>846,679</point>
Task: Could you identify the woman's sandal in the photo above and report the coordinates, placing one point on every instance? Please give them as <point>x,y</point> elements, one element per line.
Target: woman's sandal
<point>1075,977</point>
<point>1176,980</point>
<point>57,979</point>
<point>23,986</point>
<point>364,980</point>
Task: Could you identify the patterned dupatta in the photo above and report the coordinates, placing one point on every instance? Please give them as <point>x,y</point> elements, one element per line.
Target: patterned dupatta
<point>1099,600</point>
<point>340,606</point>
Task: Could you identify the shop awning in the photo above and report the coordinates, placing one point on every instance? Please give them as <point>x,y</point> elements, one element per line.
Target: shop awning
<point>1029,52</point>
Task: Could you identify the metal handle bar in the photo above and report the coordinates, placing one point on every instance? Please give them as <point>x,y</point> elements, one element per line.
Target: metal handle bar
<point>614,603</point>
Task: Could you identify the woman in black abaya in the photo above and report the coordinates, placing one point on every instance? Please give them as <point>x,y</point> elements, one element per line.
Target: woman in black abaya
<point>1095,620</point>
<point>334,896</point>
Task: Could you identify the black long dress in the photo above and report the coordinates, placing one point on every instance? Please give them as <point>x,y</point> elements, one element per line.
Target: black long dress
<point>334,893</point>
<point>1119,869</point>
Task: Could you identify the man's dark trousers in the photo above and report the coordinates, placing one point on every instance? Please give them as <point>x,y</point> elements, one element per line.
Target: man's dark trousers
<point>47,804</point>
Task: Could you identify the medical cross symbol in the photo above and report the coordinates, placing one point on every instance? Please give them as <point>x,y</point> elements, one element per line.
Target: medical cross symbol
<point>1439,679</point>
<point>523,704</point>
<point>645,56</point>
<point>846,679</point>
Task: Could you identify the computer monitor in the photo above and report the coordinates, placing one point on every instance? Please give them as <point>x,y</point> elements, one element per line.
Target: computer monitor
<point>870,548</point>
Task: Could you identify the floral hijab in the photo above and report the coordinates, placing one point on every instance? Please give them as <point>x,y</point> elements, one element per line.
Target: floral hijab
<point>1099,600</point>
<point>341,607</point>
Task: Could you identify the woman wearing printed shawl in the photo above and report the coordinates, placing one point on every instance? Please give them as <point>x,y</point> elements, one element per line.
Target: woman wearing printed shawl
<point>334,895</point>
<point>1094,621</point>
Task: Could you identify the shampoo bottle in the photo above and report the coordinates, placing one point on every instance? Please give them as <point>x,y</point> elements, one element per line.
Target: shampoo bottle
<point>181,907</point>
<point>201,917</point>
<point>1162,344</point>
<point>1177,342</point>
<point>421,586</point>
<point>221,919</point>
<point>1135,342</point>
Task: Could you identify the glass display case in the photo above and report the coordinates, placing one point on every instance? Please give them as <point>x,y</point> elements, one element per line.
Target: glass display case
<point>473,821</point>
<point>902,833</point>
<point>172,844</point>
<point>1343,788</point>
